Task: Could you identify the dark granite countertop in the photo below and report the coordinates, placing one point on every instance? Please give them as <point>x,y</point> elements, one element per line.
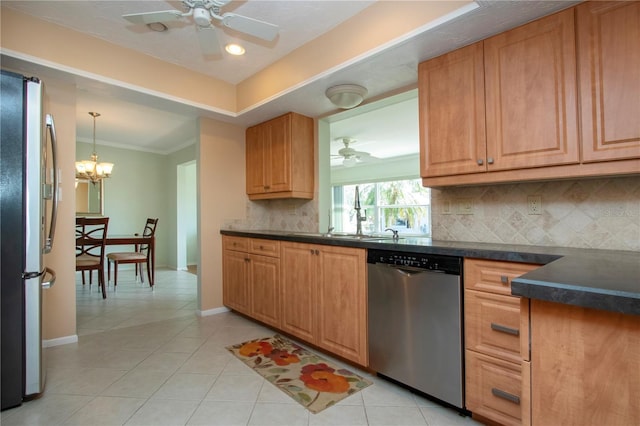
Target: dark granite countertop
<point>600,279</point>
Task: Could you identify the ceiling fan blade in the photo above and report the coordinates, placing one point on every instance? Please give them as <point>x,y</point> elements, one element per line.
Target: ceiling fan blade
<point>208,40</point>
<point>151,17</point>
<point>254,27</point>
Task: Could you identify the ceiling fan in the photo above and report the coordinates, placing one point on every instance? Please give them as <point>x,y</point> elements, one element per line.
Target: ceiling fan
<point>350,156</point>
<point>204,13</point>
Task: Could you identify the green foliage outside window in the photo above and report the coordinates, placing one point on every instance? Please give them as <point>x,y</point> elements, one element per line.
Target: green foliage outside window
<point>403,205</point>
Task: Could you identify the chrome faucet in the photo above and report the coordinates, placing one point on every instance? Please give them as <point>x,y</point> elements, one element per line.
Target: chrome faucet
<point>359,217</point>
<point>395,233</point>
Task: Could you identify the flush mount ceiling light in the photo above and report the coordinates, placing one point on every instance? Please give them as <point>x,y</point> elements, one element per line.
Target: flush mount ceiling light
<point>234,49</point>
<point>346,96</point>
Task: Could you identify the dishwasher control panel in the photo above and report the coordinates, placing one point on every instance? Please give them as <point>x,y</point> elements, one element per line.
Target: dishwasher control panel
<point>434,262</point>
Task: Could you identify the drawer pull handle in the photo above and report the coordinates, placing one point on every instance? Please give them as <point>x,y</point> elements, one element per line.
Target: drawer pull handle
<point>505,395</point>
<point>503,329</point>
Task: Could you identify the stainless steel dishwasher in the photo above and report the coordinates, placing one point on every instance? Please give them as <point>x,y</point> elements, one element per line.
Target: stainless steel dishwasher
<point>415,322</point>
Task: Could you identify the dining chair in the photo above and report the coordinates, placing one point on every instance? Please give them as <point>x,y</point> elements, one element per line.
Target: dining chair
<point>138,257</point>
<point>91,235</point>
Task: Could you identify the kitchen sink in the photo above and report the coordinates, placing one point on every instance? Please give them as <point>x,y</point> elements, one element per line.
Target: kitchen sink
<point>339,236</point>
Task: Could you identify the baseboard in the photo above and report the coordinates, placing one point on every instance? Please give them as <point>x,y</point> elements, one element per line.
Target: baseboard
<point>60,341</point>
<point>214,311</point>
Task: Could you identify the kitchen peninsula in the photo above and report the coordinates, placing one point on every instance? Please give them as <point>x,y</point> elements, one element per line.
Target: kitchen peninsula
<point>581,308</point>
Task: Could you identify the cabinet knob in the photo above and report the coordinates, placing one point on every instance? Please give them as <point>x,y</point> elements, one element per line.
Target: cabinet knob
<point>317,252</point>
<point>311,251</point>
<point>267,187</point>
<point>504,279</point>
<point>480,162</point>
<point>490,160</point>
<point>246,259</point>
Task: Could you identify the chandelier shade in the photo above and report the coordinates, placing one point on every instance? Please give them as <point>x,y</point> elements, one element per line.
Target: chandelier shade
<point>93,170</point>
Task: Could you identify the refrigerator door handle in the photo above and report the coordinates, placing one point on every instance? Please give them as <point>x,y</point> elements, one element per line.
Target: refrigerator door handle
<point>48,245</point>
<point>51,281</point>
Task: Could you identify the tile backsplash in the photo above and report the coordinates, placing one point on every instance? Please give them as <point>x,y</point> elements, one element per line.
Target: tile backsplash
<point>279,215</point>
<point>599,213</point>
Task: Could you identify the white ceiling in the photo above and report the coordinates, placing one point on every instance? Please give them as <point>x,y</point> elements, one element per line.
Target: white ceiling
<point>143,122</point>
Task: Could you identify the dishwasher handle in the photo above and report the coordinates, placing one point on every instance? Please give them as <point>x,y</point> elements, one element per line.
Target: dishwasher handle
<point>408,271</point>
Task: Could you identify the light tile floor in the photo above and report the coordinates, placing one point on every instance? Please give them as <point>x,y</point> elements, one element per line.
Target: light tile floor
<point>145,358</point>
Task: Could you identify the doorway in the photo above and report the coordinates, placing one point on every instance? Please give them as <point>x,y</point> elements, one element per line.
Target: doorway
<point>187,226</point>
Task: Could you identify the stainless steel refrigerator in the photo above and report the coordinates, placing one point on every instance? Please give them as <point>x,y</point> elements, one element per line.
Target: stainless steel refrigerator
<point>28,208</point>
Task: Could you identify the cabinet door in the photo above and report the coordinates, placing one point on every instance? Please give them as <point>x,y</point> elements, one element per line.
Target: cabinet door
<point>530,80</point>
<point>255,152</point>
<point>235,287</point>
<point>278,156</point>
<point>265,289</point>
<point>452,113</point>
<point>298,263</point>
<point>342,297</point>
<point>609,64</point>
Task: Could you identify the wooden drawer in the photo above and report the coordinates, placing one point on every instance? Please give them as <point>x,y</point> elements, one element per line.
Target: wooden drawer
<point>493,276</point>
<point>235,243</point>
<point>494,389</point>
<point>492,325</point>
<point>264,247</point>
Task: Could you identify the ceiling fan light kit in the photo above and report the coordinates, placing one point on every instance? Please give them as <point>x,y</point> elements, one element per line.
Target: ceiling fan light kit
<point>346,96</point>
<point>234,49</point>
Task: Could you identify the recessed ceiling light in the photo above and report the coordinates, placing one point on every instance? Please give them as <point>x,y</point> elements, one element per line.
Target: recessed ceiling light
<point>157,26</point>
<point>234,49</point>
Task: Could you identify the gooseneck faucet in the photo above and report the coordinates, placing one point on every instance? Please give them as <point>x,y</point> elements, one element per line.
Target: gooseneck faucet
<point>359,217</point>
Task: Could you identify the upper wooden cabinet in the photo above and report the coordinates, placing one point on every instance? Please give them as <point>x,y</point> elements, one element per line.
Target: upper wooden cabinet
<point>506,103</point>
<point>531,107</point>
<point>527,104</point>
<point>452,124</point>
<point>609,80</point>
<point>280,158</point>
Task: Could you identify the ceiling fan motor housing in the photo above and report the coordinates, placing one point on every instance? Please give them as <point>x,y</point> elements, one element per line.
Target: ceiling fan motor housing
<point>202,16</point>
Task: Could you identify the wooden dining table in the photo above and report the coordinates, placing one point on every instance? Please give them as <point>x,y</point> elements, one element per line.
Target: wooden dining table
<point>114,240</point>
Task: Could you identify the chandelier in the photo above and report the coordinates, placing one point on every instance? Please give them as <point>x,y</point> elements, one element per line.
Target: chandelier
<point>91,169</point>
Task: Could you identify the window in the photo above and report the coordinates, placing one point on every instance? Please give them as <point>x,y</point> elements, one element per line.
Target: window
<point>403,205</point>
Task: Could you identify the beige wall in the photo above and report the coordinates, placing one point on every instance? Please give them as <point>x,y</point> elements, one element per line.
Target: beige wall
<point>98,59</point>
<point>391,20</point>
<point>221,185</point>
<point>59,315</point>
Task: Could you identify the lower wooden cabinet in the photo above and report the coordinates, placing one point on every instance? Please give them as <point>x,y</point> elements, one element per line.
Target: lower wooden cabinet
<point>314,292</point>
<point>298,290</point>
<point>585,366</point>
<point>251,278</point>
<point>324,297</point>
<point>264,281</point>
<point>494,388</point>
<point>235,281</point>
<point>497,370</point>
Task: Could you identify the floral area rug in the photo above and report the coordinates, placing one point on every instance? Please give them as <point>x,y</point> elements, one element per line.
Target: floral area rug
<point>304,376</point>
